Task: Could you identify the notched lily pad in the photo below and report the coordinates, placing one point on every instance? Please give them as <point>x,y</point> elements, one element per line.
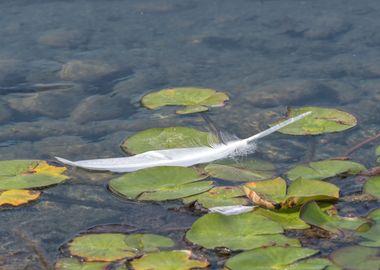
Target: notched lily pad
<point>272,193</point>
<point>74,264</point>
<point>195,99</point>
<point>313,215</point>
<point>372,186</point>
<point>114,246</point>
<point>219,196</point>
<point>288,218</point>
<point>25,174</point>
<point>160,184</point>
<point>320,170</point>
<point>165,138</point>
<point>321,120</point>
<point>169,260</point>
<point>269,258</point>
<point>243,171</point>
<point>16,197</point>
<point>237,232</point>
<point>357,258</point>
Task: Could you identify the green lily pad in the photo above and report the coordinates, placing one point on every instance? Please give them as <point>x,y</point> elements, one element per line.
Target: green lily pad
<point>219,196</point>
<point>372,236</point>
<point>168,260</point>
<point>195,99</point>
<point>237,232</point>
<point>321,120</point>
<point>160,184</point>
<point>268,258</point>
<point>324,169</point>
<point>288,218</point>
<point>271,193</point>
<point>165,138</point>
<point>243,171</point>
<point>267,193</point>
<point>313,215</point>
<point>301,191</point>
<point>114,246</point>
<point>311,264</point>
<point>26,174</point>
<point>357,258</point>
<point>74,264</point>
<point>372,186</point>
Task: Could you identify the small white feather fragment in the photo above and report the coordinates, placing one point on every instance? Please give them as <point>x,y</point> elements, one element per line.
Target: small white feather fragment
<point>184,157</point>
<point>231,210</point>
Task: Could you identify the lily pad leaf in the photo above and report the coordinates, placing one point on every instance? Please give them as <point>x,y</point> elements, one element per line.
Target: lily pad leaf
<point>243,171</point>
<point>16,197</point>
<point>267,193</point>
<point>311,264</point>
<point>195,99</point>
<point>321,120</point>
<point>114,246</point>
<point>166,138</point>
<point>324,169</point>
<point>313,215</point>
<point>301,191</point>
<point>26,174</point>
<point>372,236</point>
<point>372,186</point>
<point>357,258</point>
<point>288,218</point>
<point>268,258</point>
<point>168,260</point>
<point>237,232</point>
<point>74,264</point>
<point>160,184</point>
<point>219,196</point>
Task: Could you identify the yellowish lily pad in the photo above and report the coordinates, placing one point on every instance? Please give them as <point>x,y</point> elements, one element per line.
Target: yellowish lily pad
<point>16,197</point>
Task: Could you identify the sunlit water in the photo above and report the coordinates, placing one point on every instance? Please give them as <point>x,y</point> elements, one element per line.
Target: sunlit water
<point>72,74</point>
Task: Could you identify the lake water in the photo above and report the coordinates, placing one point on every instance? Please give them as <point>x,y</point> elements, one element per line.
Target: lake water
<point>72,74</point>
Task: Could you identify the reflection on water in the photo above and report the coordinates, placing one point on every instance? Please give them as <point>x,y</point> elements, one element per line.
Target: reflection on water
<point>72,74</point>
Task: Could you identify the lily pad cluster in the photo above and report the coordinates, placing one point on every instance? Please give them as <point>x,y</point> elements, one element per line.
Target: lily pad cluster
<point>19,177</point>
<point>142,251</point>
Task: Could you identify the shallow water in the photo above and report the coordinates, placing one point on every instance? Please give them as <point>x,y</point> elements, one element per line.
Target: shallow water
<point>72,74</point>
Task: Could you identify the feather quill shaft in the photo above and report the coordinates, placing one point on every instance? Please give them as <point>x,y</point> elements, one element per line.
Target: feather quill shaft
<point>184,157</point>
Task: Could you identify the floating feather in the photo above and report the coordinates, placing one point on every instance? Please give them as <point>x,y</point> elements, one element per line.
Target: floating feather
<point>184,157</point>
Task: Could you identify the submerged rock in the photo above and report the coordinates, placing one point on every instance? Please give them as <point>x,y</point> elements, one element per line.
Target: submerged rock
<point>101,107</point>
<point>85,70</point>
<point>62,38</point>
<point>327,26</point>
<point>289,92</point>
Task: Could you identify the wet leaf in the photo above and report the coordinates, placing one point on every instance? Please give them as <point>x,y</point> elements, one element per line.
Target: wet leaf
<point>311,264</point>
<point>74,264</point>
<point>313,215</point>
<point>288,218</point>
<point>166,138</point>
<point>195,99</point>
<point>324,169</point>
<point>372,236</point>
<point>168,260</point>
<point>160,183</point>
<point>269,258</point>
<point>16,197</point>
<point>357,258</point>
<point>372,186</point>
<point>219,196</point>
<point>243,171</point>
<point>237,232</point>
<point>267,193</point>
<point>271,193</point>
<point>322,120</point>
<point>301,191</point>
<point>114,246</point>
<point>25,174</point>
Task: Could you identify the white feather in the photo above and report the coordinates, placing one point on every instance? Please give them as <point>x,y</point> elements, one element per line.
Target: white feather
<point>231,210</point>
<point>184,157</point>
